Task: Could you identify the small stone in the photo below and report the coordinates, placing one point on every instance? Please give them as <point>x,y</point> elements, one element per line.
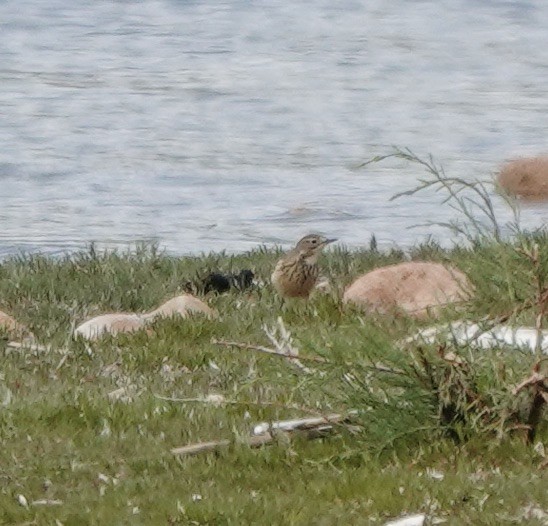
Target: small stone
<point>526,178</point>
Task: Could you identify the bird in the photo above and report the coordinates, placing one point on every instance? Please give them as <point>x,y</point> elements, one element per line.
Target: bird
<point>219,282</point>
<point>297,272</point>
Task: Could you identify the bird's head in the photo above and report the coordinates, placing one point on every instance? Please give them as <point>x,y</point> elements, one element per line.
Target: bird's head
<point>311,245</point>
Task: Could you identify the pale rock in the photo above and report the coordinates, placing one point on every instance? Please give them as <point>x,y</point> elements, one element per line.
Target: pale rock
<point>418,289</point>
<point>181,306</point>
<point>526,178</point>
<point>120,322</point>
<point>114,323</point>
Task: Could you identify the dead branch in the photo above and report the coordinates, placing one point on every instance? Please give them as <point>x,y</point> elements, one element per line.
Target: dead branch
<point>302,423</point>
<point>536,379</point>
<point>200,447</point>
<point>316,359</point>
<point>27,345</point>
<point>538,382</point>
<point>267,350</point>
<point>254,441</point>
<point>310,428</point>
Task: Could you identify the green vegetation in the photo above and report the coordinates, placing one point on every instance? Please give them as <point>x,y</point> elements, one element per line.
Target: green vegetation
<point>439,429</point>
<point>109,461</point>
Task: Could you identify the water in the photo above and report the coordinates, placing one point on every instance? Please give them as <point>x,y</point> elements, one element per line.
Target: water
<point>223,125</point>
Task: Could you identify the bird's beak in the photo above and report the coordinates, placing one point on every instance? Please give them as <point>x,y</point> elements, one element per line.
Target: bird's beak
<point>327,241</point>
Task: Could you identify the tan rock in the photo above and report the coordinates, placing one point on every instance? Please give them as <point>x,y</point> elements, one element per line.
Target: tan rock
<point>526,178</point>
<point>118,322</point>
<point>417,289</point>
<point>10,326</point>
<point>181,306</point>
<point>114,323</point>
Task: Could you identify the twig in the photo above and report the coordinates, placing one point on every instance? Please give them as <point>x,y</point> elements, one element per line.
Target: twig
<point>302,423</point>
<point>29,346</point>
<point>454,187</point>
<point>253,441</point>
<point>316,359</point>
<point>282,341</point>
<point>267,350</point>
<point>263,433</point>
<point>539,399</point>
<point>200,447</point>
<point>535,379</point>
<point>47,502</point>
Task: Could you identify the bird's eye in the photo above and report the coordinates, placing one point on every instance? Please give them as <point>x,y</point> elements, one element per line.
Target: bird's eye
<point>314,241</point>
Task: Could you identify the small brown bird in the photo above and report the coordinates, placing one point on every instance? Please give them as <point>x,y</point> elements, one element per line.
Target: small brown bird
<point>297,272</point>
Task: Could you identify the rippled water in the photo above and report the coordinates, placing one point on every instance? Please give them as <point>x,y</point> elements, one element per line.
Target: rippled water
<point>222,125</point>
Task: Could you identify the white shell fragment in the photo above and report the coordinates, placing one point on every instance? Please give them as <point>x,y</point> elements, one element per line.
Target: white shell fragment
<point>472,334</point>
<point>410,520</point>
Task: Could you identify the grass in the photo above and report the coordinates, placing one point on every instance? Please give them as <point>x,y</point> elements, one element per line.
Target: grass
<point>438,430</point>
<point>109,462</point>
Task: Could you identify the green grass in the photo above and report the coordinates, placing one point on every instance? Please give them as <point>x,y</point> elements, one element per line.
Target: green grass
<point>109,461</point>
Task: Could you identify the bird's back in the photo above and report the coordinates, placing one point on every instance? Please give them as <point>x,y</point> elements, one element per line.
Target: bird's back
<point>294,276</point>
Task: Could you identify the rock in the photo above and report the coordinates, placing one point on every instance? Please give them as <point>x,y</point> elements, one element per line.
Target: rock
<point>114,323</point>
<point>118,322</point>
<point>10,326</point>
<point>181,306</point>
<point>418,289</point>
<point>526,178</point>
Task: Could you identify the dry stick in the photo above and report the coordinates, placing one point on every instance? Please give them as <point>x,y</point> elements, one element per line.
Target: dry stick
<point>317,359</point>
<point>200,447</point>
<point>539,383</point>
<point>29,346</point>
<point>301,423</point>
<point>314,428</point>
<point>47,502</point>
<point>268,350</point>
<point>541,302</point>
